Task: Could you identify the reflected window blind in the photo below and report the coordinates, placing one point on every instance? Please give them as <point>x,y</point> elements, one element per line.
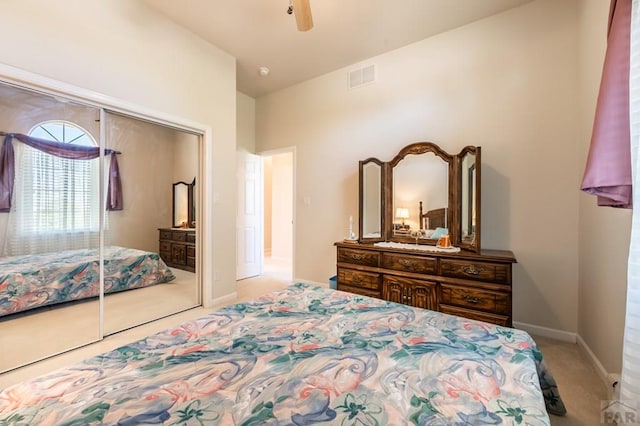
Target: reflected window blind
<point>56,203</point>
<point>61,196</point>
<point>630,383</point>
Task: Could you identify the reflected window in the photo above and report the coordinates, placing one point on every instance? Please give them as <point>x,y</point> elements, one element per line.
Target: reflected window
<point>56,200</point>
<point>64,192</point>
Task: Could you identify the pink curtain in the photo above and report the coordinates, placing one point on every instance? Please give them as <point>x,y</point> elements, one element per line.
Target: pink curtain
<point>608,171</point>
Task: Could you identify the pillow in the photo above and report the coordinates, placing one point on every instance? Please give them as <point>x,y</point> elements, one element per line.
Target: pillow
<point>439,232</point>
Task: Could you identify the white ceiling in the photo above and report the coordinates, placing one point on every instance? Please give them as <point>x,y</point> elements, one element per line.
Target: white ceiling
<point>260,33</point>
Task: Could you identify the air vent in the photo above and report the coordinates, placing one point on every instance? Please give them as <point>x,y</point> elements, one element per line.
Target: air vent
<point>362,76</point>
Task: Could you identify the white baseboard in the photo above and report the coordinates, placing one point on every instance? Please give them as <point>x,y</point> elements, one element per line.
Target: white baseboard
<point>607,378</point>
<point>222,300</point>
<point>551,333</point>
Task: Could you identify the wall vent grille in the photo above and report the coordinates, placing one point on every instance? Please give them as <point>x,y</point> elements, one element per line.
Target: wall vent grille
<point>362,76</point>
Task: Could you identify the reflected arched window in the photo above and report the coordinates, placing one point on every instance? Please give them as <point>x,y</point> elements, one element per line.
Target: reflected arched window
<point>56,199</point>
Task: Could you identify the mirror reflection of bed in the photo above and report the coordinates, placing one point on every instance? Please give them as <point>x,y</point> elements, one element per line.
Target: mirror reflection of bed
<point>64,313</point>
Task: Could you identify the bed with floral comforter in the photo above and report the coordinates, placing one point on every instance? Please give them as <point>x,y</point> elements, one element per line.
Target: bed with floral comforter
<point>301,356</point>
<point>36,280</point>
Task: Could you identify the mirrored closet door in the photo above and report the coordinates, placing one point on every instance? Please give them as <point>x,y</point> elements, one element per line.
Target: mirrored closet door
<point>152,238</point>
<point>96,236</point>
<point>49,225</point>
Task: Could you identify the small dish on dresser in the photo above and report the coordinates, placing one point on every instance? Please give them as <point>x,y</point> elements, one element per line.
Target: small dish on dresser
<point>450,248</point>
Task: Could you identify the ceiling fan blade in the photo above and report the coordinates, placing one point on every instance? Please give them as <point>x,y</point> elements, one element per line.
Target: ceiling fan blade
<point>302,11</point>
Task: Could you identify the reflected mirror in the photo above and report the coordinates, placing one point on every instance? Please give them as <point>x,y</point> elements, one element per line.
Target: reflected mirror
<point>192,204</point>
<point>181,204</point>
<point>371,212</point>
<point>420,194</point>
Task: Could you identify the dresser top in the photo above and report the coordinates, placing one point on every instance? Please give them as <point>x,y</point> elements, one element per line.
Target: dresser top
<point>487,255</point>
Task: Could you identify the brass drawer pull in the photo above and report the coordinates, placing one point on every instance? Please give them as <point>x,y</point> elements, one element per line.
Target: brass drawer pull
<point>407,263</point>
<point>470,299</point>
<point>472,270</point>
<point>357,279</point>
<point>356,256</point>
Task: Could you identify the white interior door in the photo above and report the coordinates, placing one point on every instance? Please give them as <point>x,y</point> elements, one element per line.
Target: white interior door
<point>249,216</point>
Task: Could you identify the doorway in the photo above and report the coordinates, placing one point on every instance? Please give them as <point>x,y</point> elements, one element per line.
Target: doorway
<point>278,208</point>
<point>264,220</point>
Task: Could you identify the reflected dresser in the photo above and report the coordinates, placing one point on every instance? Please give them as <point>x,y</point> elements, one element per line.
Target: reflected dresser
<point>466,284</point>
<point>178,248</point>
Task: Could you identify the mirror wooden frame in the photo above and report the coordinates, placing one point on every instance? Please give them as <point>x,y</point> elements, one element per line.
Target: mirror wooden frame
<point>454,210</point>
<point>361,208</point>
<point>192,204</point>
<point>474,244</point>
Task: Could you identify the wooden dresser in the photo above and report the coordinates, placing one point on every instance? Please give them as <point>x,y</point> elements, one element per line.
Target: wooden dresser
<point>467,284</point>
<point>178,248</point>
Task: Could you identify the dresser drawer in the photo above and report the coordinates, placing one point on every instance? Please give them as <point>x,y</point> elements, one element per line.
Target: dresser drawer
<point>166,256</point>
<point>358,257</point>
<point>180,236</point>
<point>367,280</point>
<point>358,290</point>
<point>486,300</point>
<point>191,251</point>
<point>165,246</point>
<point>191,237</point>
<point>502,320</point>
<point>165,235</point>
<point>407,263</point>
<point>482,271</point>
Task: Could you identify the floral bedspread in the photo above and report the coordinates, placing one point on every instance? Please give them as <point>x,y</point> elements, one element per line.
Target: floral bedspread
<point>304,355</point>
<point>36,280</point>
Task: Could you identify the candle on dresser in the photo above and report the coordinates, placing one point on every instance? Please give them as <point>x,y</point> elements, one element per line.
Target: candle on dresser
<point>351,234</point>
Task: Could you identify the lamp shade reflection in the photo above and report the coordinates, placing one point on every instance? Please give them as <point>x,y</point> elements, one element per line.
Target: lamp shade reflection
<point>402,213</point>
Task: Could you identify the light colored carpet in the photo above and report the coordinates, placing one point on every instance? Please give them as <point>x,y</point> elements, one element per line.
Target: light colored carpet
<point>580,387</point>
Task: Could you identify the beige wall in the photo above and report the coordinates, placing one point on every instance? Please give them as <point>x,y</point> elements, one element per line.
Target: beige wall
<point>185,156</point>
<point>124,50</point>
<point>506,83</point>
<point>281,205</point>
<point>604,232</point>
<point>246,123</point>
<point>267,207</point>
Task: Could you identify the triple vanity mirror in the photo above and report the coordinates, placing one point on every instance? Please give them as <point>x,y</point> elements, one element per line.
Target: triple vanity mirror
<point>420,195</point>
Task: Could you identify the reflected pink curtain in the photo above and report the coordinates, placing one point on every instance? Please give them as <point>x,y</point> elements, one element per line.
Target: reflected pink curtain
<point>608,171</point>
<point>62,150</point>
